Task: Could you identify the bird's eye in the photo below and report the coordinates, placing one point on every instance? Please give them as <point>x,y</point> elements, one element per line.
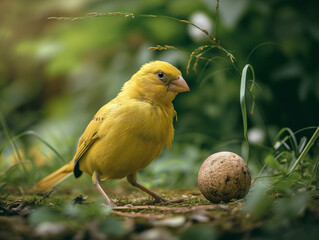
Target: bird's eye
<point>161,76</point>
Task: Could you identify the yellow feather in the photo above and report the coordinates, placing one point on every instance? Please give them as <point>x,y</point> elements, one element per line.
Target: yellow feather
<point>130,131</point>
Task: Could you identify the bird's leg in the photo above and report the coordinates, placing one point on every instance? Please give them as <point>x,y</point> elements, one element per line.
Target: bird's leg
<point>158,198</point>
<point>96,181</point>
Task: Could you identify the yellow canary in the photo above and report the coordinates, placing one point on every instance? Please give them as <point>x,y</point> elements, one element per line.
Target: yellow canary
<point>127,133</point>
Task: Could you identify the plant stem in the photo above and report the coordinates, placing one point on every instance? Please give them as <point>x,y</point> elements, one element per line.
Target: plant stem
<point>216,19</point>
<point>305,151</point>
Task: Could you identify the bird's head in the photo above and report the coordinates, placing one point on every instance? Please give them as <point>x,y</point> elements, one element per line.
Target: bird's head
<point>157,81</point>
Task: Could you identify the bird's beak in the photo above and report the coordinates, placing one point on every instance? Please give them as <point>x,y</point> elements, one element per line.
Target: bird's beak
<point>178,85</point>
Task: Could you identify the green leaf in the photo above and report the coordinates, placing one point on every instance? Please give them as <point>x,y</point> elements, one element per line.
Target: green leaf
<point>112,226</point>
<point>199,233</point>
<point>258,203</point>
<point>273,163</point>
<point>286,182</point>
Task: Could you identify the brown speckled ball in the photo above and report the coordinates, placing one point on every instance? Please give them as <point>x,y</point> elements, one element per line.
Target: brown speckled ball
<point>224,176</point>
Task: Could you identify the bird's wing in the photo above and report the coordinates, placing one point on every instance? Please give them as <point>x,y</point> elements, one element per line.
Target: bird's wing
<point>89,136</point>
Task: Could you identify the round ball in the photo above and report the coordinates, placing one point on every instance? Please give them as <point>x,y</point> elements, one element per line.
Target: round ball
<point>224,176</point>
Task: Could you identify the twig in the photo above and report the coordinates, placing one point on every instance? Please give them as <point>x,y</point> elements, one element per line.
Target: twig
<point>141,215</point>
<point>163,208</point>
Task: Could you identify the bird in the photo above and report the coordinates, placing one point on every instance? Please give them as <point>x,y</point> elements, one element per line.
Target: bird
<point>128,132</point>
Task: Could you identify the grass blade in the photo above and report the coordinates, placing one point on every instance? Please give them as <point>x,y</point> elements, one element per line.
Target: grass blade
<point>258,46</point>
<point>291,137</point>
<point>10,141</point>
<point>243,100</point>
<point>315,174</point>
<point>306,149</point>
<point>13,145</point>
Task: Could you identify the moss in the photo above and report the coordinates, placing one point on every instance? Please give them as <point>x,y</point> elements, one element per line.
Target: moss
<point>227,218</point>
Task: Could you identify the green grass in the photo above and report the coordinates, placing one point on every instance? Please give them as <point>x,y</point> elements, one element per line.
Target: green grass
<point>243,101</point>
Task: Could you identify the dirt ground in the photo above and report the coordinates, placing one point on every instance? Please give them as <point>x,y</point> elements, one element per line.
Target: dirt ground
<point>61,216</point>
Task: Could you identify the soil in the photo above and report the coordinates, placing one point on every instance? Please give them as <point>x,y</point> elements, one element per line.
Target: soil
<point>44,217</point>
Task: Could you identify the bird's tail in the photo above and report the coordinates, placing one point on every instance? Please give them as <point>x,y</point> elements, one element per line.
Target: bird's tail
<point>53,179</point>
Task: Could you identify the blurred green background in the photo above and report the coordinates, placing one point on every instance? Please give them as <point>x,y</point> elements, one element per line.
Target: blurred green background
<point>54,75</point>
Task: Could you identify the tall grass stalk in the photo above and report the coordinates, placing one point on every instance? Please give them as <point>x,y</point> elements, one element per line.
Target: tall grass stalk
<point>12,143</point>
<point>32,133</point>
